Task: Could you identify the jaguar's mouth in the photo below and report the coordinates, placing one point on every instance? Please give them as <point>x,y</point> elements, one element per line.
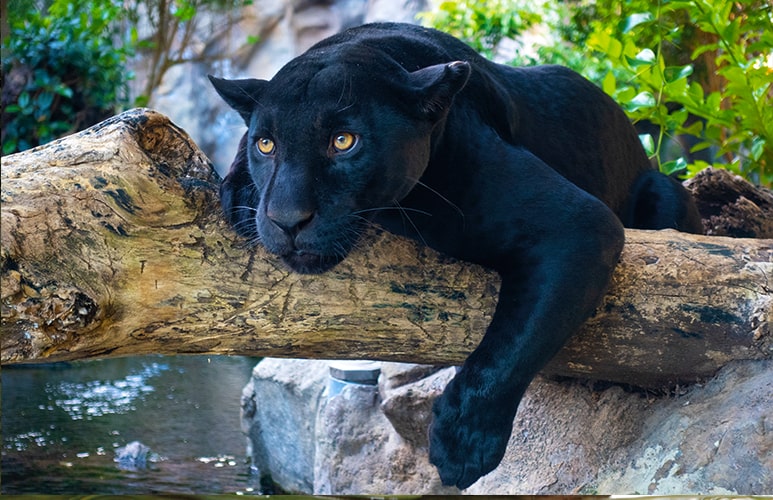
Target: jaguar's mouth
<point>304,262</point>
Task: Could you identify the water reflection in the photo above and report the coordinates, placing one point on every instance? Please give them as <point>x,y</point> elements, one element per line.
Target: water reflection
<point>99,397</point>
<point>63,423</point>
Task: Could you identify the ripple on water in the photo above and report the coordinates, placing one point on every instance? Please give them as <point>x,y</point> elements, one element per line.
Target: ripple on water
<point>95,398</point>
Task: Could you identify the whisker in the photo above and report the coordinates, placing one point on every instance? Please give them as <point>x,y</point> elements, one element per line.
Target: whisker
<point>410,221</point>
<point>245,224</point>
<point>346,88</point>
<point>252,97</point>
<point>244,207</point>
<point>402,209</point>
<point>434,191</point>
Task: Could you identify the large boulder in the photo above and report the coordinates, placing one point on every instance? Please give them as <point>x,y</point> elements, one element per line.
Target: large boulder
<point>359,451</point>
<point>569,436</point>
<point>279,408</point>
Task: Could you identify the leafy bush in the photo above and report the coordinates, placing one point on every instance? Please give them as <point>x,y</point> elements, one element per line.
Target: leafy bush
<point>696,69</point>
<point>62,71</point>
<point>482,24</point>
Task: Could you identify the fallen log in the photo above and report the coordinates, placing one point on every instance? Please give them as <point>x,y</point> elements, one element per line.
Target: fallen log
<point>113,245</point>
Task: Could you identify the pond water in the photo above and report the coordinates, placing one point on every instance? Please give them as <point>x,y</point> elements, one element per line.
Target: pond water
<point>62,424</point>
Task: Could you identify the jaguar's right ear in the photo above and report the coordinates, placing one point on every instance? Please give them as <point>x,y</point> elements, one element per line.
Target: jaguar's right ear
<point>435,86</point>
<point>241,95</point>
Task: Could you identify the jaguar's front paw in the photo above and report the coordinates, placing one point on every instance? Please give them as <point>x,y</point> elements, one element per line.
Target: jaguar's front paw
<point>468,435</point>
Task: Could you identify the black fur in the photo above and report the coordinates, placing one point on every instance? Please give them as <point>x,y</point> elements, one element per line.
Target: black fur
<point>529,171</point>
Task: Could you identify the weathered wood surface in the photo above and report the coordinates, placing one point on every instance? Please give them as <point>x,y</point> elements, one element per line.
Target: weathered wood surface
<point>113,244</point>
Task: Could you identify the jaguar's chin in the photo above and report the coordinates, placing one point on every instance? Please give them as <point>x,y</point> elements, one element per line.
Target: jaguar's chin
<point>310,263</point>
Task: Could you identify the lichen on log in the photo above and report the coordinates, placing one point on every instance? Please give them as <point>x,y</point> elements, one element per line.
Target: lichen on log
<point>113,245</point>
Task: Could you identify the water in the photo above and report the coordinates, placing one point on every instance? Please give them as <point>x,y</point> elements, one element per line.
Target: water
<point>62,423</point>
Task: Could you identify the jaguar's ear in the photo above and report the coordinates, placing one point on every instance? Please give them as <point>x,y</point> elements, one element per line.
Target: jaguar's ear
<point>437,85</point>
<point>241,95</point>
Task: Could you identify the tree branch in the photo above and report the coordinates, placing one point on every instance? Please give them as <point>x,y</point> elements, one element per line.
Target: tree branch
<point>113,245</point>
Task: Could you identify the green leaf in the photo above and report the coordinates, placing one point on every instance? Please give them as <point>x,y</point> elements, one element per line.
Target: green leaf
<point>9,146</point>
<point>701,146</point>
<point>141,101</point>
<point>674,73</point>
<point>609,84</point>
<point>603,42</point>
<point>44,100</point>
<point>695,92</point>
<point>714,100</point>
<point>184,10</point>
<point>676,119</point>
<point>758,148</point>
<point>694,129</point>
<point>24,101</point>
<point>648,143</point>
<point>636,19</point>
<point>615,49</point>
<point>624,94</point>
<point>644,58</point>
<point>64,91</point>
<point>673,166</point>
<point>641,100</point>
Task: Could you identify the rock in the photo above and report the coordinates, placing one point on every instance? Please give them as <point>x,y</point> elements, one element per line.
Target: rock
<point>562,435</point>
<point>132,457</point>
<point>359,451</point>
<point>279,409</point>
<point>308,441</point>
<point>398,11</point>
<point>569,436</point>
<point>394,375</point>
<point>716,439</point>
<point>408,407</point>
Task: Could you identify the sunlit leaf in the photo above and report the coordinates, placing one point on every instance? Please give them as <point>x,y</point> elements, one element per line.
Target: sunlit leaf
<point>641,100</point>
<point>673,166</point>
<point>674,73</point>
<point>648,143</point>
<point>644,58</point>
<point>609,83</point>
<point>700,146</point>
<point>758,148</point>
<point>636,19</point>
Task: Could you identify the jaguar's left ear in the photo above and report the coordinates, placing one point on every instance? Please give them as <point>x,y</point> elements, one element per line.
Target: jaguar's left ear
<point>437,85</point>
<point>241,95</point>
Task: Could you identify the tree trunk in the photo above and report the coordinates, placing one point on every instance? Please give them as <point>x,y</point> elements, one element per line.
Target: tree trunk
<point>113,245</point>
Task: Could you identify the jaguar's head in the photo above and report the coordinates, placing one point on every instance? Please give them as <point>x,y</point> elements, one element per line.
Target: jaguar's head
<point>331,140</point>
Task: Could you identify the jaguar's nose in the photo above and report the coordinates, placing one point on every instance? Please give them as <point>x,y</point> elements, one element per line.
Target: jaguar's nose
<point>290,221</point>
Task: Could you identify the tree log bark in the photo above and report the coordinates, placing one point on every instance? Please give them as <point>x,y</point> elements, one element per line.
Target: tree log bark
<point>113,245</point>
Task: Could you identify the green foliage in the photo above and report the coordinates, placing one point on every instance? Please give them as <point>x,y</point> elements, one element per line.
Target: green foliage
<point>64,67</point>
<point>64,71</point>
<point>701,69</point>
<point>731,94</point>
<point>482,23</point>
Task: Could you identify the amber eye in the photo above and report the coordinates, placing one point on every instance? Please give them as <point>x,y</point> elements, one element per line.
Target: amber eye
<point>344,141</point>
<point>266,146</point>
